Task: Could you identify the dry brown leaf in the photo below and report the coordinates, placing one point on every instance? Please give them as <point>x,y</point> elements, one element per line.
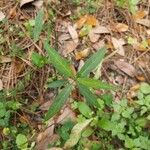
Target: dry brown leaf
<point>100,30</point>
<point>121,27</point>
<point>79,24</point>
<point>141,78</point>
<point>144,22</point>
<point>12,12</point>
<point>139,47</point>
<point>2,15</point>
<point>64,37</point>
<point>148,32</point>
<point>91,20</point>
<point>45,106</point>
<point>1,85</point>
<point>73,33</point>
<point>148,41</point>
<point>81,64</point>
<point>69,46</point>
<point>82,54</point>
<point>93,36</point>
<point>65,115</point>
<point>38,4</point>
<point>118,45</point>
<point>99,44</point>
<point>140,14</point>
<point>5,59</point>
<point>126,68</point>
<point>23,2</point>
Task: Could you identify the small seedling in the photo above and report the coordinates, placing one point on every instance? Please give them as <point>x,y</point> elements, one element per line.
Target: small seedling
<point>70,80</point>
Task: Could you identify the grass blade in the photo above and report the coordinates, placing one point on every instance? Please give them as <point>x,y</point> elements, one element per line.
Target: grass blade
<point>58,62</point>
<point>96,84</point>
<point>38,25</point>
<point>59,101</point>
<point>89,96</point>
<point>92,63</point>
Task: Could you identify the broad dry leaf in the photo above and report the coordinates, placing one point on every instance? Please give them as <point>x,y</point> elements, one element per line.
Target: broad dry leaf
<point>91,20</point>
<point>23,2</point>
<point>2,15</point>
<point>98,45</point>
<point>5,59</point>
<point>69,46</point>
<point>55,148</point>
<point>121,27</point>
<point>1,85</point>
<point>81,64</point>
<point>79,24</point>
<point>38,4</point>
<point>82,54</point>
<point>100,30</point>
<point>144,22</point>
<point>118,45</point>
<point>93,36</point>
<point>67,114</point>
<point>63,37</point>
<point>126,68</point>
<point>73,33</point>
<point>140,14</point>
<point>148,32</point>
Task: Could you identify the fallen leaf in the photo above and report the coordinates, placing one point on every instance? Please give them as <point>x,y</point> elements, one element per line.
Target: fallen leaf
<point>69,46</point>
<point>65,115</point>
<point>81,64</point>
<point>144,22</point>
<point>2,16</point>
<point>12,12</point>
<point>82,54</point>
<point>121,27</point>
<point>93,36</point>
<point>148,32</point>
<point>140,14</point>
<point>99,44</point>
<point>79,24</point>
<point>1,85</point>
<point>46,105</point>
<point>5,59</point>
<point>38,4</point>
<point>91,20</point>
<point>135,87</point>
<point>100,30</point>
<point>63,37</point>
<point>73,33</point>
<point>141,78</point>
<point>118,45</point>
<point>23,2</point>
<point>126,68</point>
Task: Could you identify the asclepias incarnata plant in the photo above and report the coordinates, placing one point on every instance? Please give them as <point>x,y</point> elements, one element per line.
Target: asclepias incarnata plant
<point>70,80</point>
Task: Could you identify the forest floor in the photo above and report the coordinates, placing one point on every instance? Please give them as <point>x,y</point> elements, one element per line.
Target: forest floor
<point>76,29</point>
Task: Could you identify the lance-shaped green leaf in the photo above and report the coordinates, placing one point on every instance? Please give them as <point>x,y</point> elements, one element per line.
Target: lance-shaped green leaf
<point>38,25</point>
<point>76,133</point>
<point>92,63</point>
<point>89,96</point>
<point>58,62</point>
<point>56,84</point>
<point>96,84</point>
<point>59,101</point>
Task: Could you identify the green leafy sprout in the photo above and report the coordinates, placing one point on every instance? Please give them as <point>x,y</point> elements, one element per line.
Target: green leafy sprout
<point>71,80</point>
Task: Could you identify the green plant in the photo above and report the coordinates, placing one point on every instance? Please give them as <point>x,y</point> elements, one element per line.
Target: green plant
<point>124,123</point>
<point>71,80</point>
<point>131,4</point>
